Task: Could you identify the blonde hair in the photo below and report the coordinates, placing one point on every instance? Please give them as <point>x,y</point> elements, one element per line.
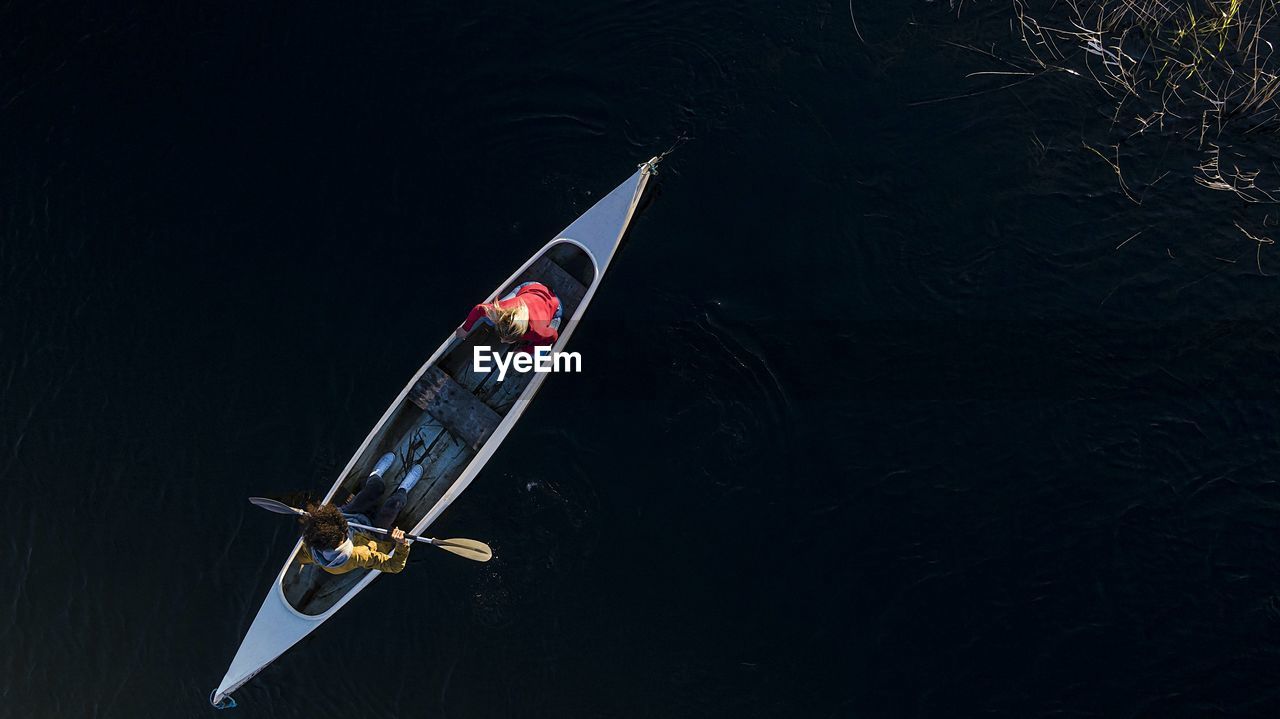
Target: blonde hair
<point>512,322</point>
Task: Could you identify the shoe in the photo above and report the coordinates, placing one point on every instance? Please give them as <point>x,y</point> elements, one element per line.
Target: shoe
<point>410,479</point>
<point>384,464</point>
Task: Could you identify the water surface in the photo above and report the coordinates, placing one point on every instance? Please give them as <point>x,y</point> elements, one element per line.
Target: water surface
<point>876,421</point>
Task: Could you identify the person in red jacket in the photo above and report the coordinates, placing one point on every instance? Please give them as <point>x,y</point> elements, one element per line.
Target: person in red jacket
<point>530,315</point>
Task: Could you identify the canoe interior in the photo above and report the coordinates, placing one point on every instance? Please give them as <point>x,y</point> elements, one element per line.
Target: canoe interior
<point>442,424</point>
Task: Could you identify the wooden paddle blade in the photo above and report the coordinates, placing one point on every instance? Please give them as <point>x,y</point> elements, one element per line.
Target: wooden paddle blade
<point>272,505</point>
<point>469,548</point>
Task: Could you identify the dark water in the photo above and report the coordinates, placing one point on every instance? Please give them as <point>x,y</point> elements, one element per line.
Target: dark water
<point>876,420</point>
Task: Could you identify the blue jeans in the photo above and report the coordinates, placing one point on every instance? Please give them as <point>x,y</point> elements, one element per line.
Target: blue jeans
<point>362,506</point>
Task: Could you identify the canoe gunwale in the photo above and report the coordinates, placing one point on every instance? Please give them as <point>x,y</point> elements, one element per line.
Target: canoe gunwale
<point>600,250</point>
<point>477,461</point>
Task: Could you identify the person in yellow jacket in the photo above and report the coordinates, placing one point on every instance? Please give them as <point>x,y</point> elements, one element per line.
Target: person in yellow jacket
<point>331,544</point>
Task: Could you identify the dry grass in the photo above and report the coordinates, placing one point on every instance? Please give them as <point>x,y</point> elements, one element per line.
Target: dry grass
<point>1205,60</point>
<point>1206,72</point>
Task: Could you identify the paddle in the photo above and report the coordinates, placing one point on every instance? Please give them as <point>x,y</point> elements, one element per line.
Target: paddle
<point>468,548</point>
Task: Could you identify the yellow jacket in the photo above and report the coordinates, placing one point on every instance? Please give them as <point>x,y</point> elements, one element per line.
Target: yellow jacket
<point>366,553</point>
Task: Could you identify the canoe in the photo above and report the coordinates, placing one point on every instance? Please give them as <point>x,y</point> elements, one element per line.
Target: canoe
<point>448,418</point>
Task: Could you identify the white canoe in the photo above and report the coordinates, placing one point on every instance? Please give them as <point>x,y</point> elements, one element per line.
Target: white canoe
<point>450,420</point>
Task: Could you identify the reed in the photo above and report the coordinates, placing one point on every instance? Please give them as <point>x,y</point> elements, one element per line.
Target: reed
<point>1208,60</point>
<point>1206,72</point>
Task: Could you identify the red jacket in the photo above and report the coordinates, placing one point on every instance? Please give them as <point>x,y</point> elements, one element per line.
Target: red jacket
<point>542,306</point>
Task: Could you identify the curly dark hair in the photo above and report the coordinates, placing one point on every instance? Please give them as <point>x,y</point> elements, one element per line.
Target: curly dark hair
<point>325,528</point>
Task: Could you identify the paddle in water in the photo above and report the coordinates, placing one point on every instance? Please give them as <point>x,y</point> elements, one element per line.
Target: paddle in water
<point>471,549</point>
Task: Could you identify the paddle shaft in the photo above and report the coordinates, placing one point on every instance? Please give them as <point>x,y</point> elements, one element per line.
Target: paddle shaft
<point>282,508</point>
<point>410,537</point>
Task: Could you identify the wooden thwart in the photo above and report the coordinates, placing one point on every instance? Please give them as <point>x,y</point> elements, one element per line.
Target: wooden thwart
<point>461,412</point>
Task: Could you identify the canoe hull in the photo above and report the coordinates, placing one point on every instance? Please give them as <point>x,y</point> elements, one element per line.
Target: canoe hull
<point>292,608</point>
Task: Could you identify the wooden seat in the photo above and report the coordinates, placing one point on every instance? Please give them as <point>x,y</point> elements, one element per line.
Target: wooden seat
<point>460,411</point>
